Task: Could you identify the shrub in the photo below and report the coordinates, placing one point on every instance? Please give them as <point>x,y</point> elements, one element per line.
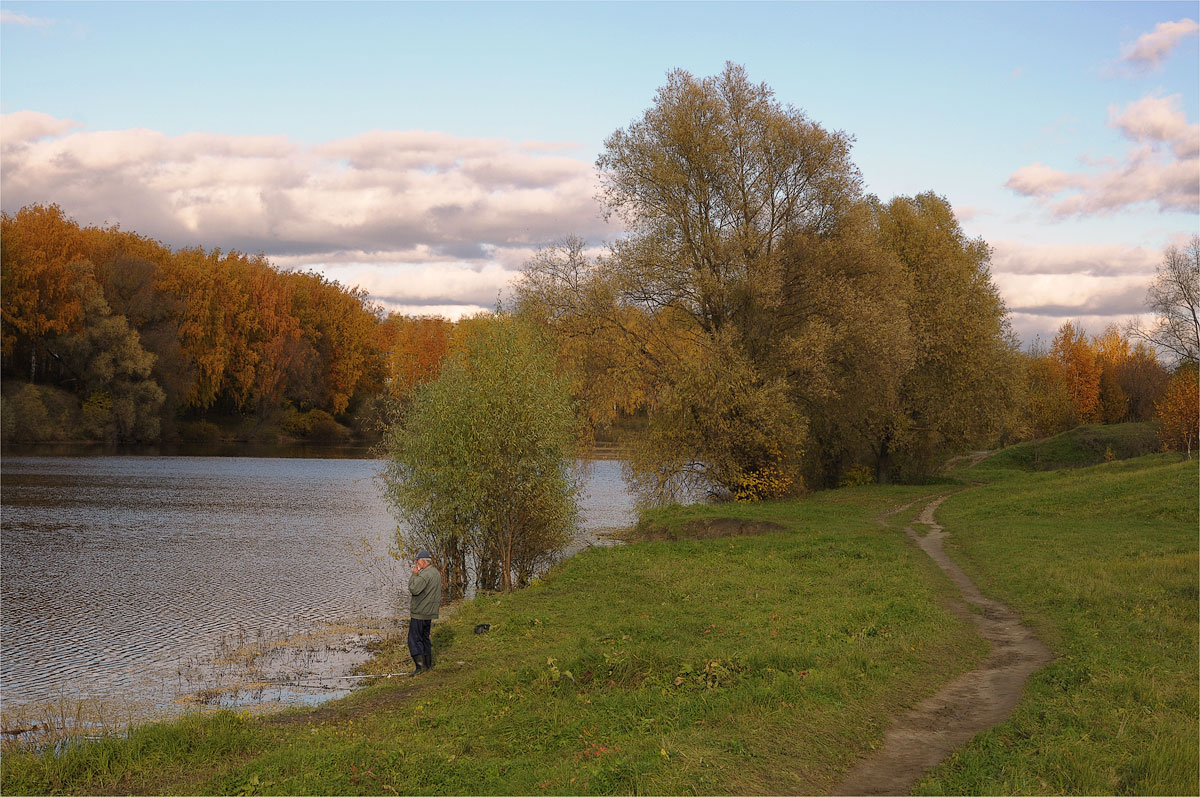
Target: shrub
<point>857,476</point>
<point>39,413</point>
<point>316,425</point>
<point>200,432</point>
<point>480,466</point>
<point>322,426</point>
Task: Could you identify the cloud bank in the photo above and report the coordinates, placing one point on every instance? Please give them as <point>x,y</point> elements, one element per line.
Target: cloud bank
<point>1094,284</point>
<point>418,218</point>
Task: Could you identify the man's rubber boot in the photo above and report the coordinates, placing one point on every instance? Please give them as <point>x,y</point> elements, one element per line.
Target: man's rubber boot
<point>428,661</point>
<point>418,666</point>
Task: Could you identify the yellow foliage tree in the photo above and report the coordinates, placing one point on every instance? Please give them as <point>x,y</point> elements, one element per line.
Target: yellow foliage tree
<point>1080,367</point>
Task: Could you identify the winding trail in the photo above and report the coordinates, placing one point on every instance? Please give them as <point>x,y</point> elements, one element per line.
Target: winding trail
<point>927,733</point>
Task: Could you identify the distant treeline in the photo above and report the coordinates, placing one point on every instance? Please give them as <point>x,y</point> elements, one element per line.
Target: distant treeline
<point>110,335</point>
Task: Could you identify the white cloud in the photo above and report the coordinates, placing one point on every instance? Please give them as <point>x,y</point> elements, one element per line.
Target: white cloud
<point>1158,120</point>
<point>1150,49</point>
<point>443,284</point>
<point>1039,180</point>
<point>965,213</point>
<point>19,128</point>
<point>1068,295</point>
<point>418,218</point>
<point>11,18</point>
<point>1089,259</point>
<point>1164,169</point>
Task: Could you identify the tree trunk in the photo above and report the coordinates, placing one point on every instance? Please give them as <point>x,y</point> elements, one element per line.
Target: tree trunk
<point>884,463</point>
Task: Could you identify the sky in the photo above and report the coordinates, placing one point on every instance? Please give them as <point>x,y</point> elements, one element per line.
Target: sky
<point>424,151</point>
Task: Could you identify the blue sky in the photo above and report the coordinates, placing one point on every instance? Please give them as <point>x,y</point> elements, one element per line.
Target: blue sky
<point>1061,132</point>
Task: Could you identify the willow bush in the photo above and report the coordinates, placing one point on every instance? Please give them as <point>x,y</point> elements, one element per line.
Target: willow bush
<point>481,467</point>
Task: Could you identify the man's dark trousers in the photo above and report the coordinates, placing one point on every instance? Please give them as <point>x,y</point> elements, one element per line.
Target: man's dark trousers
<point>418,638</point>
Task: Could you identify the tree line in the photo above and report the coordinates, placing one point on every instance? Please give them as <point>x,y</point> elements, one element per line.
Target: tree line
<point>110,335</point>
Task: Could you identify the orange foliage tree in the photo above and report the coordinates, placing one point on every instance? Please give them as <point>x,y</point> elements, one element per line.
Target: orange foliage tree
<point>1143,379</point>
<point>414,351</point>
<point>1178,411</point>
<point>1112,351</point>
<point>39,245</point>
<point>338,326</point>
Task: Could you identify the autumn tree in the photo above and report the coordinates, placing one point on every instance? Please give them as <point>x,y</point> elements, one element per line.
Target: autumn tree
<point>966,371</point>
<point>226,332</point>
<point>131,287</point>
<point>1050,408</point>
<point>606,346</point>
<point>764,314</point>
<point>1112,350</point>
<point>1178,411</point>
<point>480,468</point>
<point>413,351</point>
<point>104,356</point>
<point>338,357</point>
<point>710,184</point>
<point>1076,359</point>
<point>37,247</point>
<point>1174,298</point>
<point>1142,379</point>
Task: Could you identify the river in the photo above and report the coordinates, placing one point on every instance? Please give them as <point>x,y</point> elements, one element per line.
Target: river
<point>138,585</point>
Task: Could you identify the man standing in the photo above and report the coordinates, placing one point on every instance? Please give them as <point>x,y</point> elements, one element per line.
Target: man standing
<point>425,584</point>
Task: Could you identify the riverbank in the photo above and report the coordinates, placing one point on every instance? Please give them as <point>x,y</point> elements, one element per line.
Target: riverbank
<point>768,661</point>
<point>746,664</point>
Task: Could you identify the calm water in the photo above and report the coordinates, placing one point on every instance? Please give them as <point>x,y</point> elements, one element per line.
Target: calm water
<point>123,574</point>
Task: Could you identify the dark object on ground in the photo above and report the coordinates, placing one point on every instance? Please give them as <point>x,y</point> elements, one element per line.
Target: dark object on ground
<point>483,628</point>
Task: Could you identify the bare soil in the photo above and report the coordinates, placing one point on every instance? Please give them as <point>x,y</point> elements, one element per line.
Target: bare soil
<point>931,730</point>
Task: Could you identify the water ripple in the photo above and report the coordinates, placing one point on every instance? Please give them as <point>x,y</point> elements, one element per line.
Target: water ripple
<point>120,574</point>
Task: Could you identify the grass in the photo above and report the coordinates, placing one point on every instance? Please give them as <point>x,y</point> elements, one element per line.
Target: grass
<point>763,663</point>
<point>1102,562</point>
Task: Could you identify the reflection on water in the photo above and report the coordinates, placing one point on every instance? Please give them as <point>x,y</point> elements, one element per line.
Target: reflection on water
<point>122,574</point>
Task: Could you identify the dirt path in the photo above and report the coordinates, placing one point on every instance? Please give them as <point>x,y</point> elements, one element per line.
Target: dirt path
<point>927,733</point>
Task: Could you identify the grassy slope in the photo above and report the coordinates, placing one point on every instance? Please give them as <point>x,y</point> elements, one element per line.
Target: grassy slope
<point>1103,562</point>
<point>1080,447</point>
<point>740,665</point>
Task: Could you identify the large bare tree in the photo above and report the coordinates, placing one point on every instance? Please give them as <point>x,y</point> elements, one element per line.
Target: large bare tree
<point>1174,298</point>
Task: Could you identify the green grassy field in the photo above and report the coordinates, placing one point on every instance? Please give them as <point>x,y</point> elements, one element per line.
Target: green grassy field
<point>761,663</point>
<point>1103,563</point>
